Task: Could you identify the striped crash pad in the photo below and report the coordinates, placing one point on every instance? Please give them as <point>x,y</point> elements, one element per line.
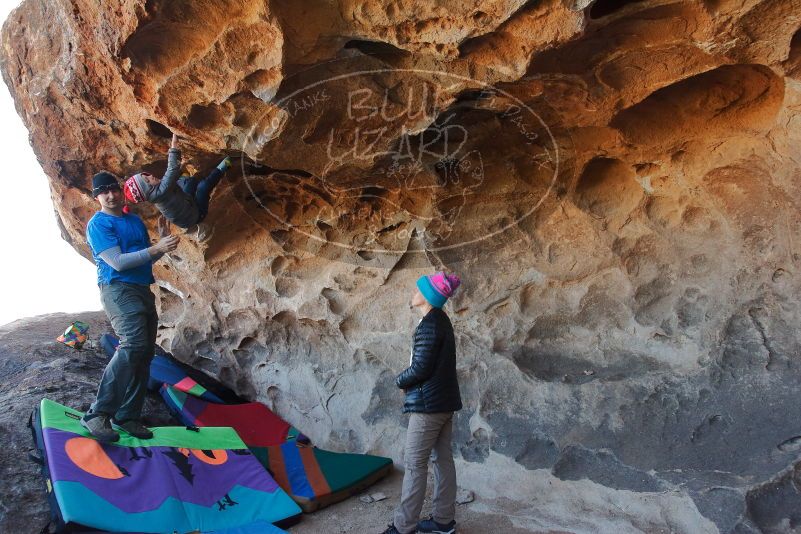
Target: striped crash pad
<point>165,369</point>
<point>313,477</point>
<point>181,480</point>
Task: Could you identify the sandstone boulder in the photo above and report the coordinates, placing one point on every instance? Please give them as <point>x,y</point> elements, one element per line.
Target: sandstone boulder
<point>616,182</point>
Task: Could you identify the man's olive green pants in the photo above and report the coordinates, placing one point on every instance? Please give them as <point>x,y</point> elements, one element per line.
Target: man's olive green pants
<point>131,308</point>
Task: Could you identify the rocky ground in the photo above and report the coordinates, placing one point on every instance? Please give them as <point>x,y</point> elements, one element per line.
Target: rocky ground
<point>34,365</point>
<point>355,516</point>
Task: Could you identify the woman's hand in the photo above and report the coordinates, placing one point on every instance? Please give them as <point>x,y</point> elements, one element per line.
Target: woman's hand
<point>174,143</point>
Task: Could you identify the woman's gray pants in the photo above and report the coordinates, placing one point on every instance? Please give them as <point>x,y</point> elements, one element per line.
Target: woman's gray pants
<point>428,435</point>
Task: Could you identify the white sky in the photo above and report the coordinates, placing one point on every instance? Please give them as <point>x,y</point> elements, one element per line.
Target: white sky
<point>39,272</point>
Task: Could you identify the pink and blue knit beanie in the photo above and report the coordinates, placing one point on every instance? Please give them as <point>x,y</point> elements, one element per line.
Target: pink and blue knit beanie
<point>437,288</point>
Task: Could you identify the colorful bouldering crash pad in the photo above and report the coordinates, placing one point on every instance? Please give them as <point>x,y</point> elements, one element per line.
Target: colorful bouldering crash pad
<point>254,528</point>
<point>181,480</point>
<point>164,369</point>
<point>316,478</point>
<point>75,335</point>
<point>313,477</point>
<point>253,421</point>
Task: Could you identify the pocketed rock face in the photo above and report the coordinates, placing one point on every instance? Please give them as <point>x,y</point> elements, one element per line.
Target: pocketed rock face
<point>618,184</point>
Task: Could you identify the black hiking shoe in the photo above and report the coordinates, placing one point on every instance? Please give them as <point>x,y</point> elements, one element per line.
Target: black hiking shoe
<point>391,530</point>
<point>132,427</point>
<point>100,428</point>
<point>429,525</point>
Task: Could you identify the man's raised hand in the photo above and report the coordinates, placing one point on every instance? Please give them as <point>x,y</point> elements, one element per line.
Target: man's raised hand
<point>165,244</point>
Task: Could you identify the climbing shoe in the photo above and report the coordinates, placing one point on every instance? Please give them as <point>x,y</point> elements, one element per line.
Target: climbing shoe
<point>429,525</point>
<point>225,164</point>
<point>99,426</point>
<point>132,427</point>
<point>391,530</point>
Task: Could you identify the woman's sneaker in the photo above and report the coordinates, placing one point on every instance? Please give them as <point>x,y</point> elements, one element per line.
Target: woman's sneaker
<point>132,427</point>
<point>98,425</point>
<point>429,525</point>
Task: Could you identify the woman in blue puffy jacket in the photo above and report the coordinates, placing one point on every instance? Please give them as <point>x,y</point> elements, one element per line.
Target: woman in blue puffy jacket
<point>432,395</point>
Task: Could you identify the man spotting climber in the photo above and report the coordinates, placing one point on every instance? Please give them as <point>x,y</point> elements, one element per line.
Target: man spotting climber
<point>432,395</point>
<point>124,257</point>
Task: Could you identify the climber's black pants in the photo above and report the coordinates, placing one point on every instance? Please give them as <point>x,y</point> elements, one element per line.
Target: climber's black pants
<point>201,190</point>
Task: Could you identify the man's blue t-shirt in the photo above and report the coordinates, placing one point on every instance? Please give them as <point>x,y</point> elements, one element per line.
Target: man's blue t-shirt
<point>128,232</point>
